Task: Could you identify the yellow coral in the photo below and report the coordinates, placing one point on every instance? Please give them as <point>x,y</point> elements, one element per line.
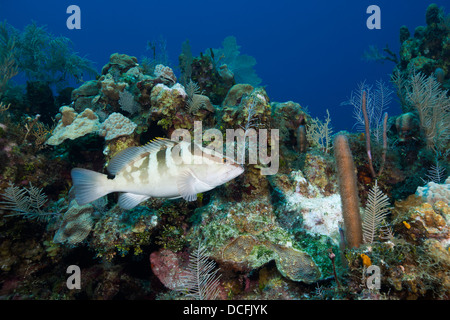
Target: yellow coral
<point>366,260</point>
<point>442,208</point>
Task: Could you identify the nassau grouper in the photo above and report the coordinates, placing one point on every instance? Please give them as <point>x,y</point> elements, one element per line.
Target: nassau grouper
<point>162,168</point>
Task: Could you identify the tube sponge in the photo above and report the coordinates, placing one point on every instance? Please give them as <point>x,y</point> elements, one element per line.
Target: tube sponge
<point>302,142</point>
<point>349,192</point>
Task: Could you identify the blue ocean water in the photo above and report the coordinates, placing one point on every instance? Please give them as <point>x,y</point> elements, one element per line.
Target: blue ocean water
<point>309,52</point>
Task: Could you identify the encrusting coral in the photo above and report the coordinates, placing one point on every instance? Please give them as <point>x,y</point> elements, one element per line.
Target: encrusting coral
<point>72,125</point>
<point>116,125</point>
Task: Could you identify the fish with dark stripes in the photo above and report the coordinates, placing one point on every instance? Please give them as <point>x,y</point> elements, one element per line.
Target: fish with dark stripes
<point>162,168</point>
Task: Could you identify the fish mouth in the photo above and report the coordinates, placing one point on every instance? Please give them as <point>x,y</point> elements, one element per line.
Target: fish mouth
<point>239,169</point>
<point>234,172</point>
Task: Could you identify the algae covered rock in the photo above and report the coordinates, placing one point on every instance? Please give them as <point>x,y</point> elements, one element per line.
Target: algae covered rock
<point>88,89</point>
<point>247,236</point>
<point>165,99</point>
<point>236,93</point>
<point>307,203</point>
<point>110,88</point>
<point>292,263</point>
<point>296,265</point>
<point>169,268</point>
<point>254,106</point>
<point>428,50</point>
<point>122,232</point>
<point>169,109</point>
<point>120,62</point>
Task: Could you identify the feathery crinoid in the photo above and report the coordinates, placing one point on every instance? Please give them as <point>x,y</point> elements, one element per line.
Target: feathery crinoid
<point>377,208</point>
<point>201,281</point>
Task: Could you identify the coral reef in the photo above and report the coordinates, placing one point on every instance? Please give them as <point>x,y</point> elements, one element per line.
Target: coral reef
<point>116,125</point>
<point>169,268</point>
<point>293,234</point>
<point>427,50</point>
<point>118,233</point>
<point>72,125</point>
<point>255,103</point>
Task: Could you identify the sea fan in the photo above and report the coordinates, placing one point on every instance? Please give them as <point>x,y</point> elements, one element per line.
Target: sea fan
<point>319,133</point>
<point>433,106</point>
<point>240,64</point>
<point>201,282</point>
<point>127,102</point>
<point>377,208</point>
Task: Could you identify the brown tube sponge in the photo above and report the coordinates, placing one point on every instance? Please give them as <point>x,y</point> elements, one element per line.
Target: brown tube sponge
<point>349,192</point>
<point>302,142</point>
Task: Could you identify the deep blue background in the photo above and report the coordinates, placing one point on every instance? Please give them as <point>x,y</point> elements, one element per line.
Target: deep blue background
<point>307,52</point>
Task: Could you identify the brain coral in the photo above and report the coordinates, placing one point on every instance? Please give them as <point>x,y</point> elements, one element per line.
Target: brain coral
<point>117,125</point>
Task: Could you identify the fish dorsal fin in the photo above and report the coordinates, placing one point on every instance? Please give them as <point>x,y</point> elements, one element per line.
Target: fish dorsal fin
<point>186,185</point>
<point>132,154</point>
<point>128,201</point>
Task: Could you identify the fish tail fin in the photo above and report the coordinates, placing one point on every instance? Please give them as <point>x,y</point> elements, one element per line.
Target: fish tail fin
<point>89,185</point>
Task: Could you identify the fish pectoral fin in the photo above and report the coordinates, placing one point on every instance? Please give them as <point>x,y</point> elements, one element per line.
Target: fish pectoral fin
<point>186,185</point>
<point>128,201</point>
